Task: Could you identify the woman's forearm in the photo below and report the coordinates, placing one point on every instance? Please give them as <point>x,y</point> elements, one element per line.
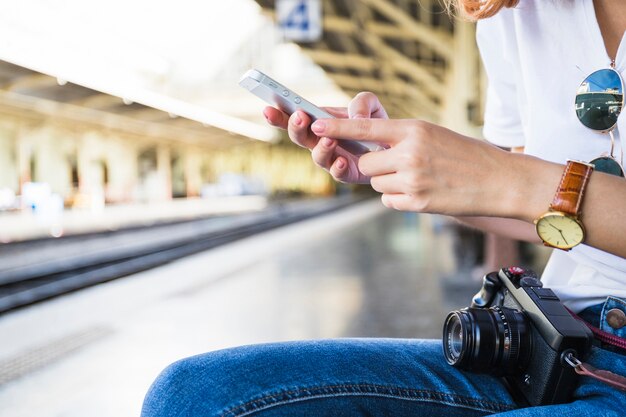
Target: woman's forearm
<point>428,168</point>
<point>511,228</point>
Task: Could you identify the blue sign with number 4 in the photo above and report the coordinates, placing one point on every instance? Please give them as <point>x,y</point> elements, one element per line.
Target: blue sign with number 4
<point>300,20</point>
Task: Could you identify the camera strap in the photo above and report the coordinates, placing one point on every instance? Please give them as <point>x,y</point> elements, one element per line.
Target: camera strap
<point>614,380</point>
<point>601,335</point>
<point>581,368</point>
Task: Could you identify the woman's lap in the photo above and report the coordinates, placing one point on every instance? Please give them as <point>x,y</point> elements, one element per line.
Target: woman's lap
<point>354,377</point>
<point>344,377</point>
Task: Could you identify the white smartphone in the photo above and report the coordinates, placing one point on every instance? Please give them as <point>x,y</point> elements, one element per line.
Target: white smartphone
<point>279,96</point>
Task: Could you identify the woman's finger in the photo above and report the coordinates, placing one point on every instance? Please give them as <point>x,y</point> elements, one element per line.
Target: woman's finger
<point>299,132</point>
<point>276,117</point>
<point>402,202</point>
<point>339,112</point>
<point>340,172</point>
<point>387,184</point>
<point>366,105</point>
<point>323,153</point>
<point>376,130</point>
<point>378,163</point>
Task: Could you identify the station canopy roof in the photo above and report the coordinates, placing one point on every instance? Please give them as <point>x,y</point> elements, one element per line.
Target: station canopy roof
<point>173,66</point>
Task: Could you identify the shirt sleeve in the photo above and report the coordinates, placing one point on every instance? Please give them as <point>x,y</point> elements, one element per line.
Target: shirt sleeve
<point>496,43</point>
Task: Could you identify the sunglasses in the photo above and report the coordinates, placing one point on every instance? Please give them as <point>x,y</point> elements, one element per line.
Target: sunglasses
<point>599,101</point>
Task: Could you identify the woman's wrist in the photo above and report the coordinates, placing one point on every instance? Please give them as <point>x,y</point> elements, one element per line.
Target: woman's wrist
<point>529,187</point>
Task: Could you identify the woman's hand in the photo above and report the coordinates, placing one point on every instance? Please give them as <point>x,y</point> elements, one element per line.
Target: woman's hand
<point>326,152</point>
<point>428,168</point>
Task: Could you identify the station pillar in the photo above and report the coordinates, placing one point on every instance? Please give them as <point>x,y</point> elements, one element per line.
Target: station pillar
<point>9,176</point>
<point>164,171</point>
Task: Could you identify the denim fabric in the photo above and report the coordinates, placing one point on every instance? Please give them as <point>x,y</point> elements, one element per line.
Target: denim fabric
<point>355,377</point>
<point>596,316</point>
<point>592,314</point>
<point>610,304</point>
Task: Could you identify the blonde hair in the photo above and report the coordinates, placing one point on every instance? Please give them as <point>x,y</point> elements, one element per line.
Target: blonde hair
<point>479,9</point>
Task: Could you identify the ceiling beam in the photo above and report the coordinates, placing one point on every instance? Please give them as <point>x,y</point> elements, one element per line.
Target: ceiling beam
<point>347,42</point>
<point>397,88</point>
<point>397,60</point>
<point>97,101</point>
<point>30,82</point>
<point>430,84</point>
<point>28,107</point>
<point>340,60</point>
<point>436,39</point>
<point>385,69</point>
<point>147,114</point>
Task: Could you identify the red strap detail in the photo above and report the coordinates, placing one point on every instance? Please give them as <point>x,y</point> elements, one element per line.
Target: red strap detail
<point>606,337</point>
<point>601,335</point>
<point>614,380</point>
<point>608,377</point>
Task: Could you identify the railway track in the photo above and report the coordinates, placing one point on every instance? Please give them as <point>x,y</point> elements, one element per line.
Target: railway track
<point>76,262</point>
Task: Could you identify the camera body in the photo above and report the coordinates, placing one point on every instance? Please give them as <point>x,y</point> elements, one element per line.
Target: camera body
<point>521,331</point>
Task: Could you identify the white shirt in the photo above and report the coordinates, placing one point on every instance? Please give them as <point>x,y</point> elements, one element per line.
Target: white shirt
<point>536,56</point>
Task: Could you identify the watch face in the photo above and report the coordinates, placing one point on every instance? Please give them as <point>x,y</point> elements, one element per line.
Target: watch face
<point>560,231</point>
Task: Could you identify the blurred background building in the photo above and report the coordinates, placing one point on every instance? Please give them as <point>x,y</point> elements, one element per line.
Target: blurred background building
<point>118,103</point>
<point>127,145</point>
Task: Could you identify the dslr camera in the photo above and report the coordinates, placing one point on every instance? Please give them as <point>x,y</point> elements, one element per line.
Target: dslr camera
<point>520,331</point>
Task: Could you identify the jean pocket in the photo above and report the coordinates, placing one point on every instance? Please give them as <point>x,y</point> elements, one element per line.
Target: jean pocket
<point>613,317</point>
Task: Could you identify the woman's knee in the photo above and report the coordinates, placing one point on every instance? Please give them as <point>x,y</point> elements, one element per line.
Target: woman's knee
<point>210,383</point>
<point>182,387</point>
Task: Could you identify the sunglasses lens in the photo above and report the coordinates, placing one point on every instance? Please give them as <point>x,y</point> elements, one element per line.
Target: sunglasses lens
<point>599,100</point>
<point>608,166</point>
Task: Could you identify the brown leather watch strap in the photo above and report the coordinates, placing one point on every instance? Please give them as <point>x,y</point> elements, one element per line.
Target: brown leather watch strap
<point>569,195</point>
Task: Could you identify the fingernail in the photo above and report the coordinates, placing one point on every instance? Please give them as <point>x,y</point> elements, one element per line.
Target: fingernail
<point>341,164</point>
<point>328,142</point>
<point>359,116</point>
<point>318,126</point>
<point>297,120</point>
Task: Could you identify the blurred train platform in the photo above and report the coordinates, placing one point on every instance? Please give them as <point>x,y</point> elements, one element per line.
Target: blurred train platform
<point>362,271</point>
<point>38,269</point>
<point>25,225</point>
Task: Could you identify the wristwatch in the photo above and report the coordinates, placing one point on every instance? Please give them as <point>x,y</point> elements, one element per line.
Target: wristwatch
<point>561,226</point>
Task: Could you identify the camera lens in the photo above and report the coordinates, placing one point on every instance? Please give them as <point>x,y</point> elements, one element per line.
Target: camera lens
<point>494,340</point>
<point>455,338</point>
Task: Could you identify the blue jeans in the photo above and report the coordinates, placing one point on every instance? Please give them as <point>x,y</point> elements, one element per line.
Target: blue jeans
<point>355,377</point>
